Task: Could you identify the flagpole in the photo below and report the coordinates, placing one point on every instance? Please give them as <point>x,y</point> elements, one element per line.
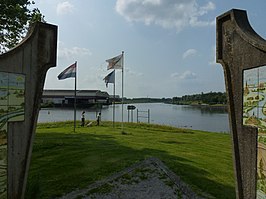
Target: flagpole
<point>114,106</point>
<point>122,91</point>
<point>75,101</point>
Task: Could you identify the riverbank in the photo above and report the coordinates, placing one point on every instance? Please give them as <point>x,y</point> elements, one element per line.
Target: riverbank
<point>63,160</point>
<point>181,116</point>
<point>222,107</point>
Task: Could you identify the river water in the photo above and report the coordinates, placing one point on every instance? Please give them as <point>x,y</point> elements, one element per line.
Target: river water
<point>183,116</point>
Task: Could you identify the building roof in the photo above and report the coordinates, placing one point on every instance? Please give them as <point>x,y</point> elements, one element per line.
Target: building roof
<point>70,93</point>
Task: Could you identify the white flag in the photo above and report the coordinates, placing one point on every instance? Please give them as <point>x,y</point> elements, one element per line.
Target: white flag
<point>115,62</point>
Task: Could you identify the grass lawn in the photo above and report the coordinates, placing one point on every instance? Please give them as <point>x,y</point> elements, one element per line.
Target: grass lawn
<point>63,160</point>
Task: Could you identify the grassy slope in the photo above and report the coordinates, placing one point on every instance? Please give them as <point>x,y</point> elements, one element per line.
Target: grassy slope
<point>63,160</point>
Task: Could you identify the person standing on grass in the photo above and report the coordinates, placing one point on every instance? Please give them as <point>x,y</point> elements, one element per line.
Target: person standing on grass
<point>83,118</point>
<point>98,118</point>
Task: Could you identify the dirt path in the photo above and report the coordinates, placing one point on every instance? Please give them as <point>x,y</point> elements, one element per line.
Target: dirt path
<point>147,179</point>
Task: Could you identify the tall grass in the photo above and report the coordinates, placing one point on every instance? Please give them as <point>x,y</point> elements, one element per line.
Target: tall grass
<point>63,160</point>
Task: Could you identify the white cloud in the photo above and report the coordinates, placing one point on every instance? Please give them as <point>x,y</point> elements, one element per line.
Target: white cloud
<point>64,8</point>
<point>194,20</point>
<point>189,52</point>
<point>184,76</point>
<point>175,75</point>
<point>129,71</point>
<point>168,14</point>
<point>64,52</point>
<point>188,75</point>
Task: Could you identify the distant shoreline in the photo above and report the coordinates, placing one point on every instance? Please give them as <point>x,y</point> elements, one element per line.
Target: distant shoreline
<point>203,106</point>
<point>208,106</point>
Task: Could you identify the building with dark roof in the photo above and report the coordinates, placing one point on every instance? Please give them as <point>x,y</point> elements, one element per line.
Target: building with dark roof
<point>84,98</point>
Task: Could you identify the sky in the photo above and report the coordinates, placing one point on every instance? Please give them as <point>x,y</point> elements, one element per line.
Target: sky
<point>169,45</point>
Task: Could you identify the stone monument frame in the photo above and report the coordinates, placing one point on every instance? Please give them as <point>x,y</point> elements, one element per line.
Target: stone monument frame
<point>31,59</point>
<point>240,48</point>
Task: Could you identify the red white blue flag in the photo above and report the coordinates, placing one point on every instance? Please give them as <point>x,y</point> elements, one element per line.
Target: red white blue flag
<point>68,72</point>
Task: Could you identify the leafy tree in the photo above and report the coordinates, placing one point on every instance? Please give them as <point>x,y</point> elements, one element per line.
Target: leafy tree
<point>206,98</point>
<point>15,20</point>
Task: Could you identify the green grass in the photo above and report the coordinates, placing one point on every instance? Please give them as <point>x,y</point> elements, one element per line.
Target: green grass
<point>63,160</point>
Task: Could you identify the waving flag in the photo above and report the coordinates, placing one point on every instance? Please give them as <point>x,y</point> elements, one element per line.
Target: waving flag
<point>115,62</point>
<point>71,71</point>
<point>110,78</point>
<point>68,72</point>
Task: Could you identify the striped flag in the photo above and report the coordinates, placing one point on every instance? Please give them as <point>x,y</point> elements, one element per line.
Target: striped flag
<point>110,78</point>
<point>68,72</point>
<point>115,62</point>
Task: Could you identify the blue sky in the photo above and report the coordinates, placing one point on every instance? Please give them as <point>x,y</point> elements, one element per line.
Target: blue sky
<point>169,45</point>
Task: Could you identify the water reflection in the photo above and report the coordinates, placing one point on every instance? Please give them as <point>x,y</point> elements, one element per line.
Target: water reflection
<point>207,109</point>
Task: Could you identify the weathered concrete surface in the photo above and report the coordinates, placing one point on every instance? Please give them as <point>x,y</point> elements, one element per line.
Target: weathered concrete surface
<point>240,48</point>
<point>147,179</point>
<point>32,57</point>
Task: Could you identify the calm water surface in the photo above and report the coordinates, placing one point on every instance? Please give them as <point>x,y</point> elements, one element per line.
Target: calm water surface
<point>174,115</point>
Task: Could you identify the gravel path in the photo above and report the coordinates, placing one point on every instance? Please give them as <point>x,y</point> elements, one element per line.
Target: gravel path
<point>147,179</point>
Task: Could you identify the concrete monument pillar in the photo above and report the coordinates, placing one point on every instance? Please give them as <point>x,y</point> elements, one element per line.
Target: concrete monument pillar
<point>242,53</point>
<point>22,75</point>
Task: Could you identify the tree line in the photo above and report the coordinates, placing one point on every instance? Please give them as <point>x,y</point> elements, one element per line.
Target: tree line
<point>16,18</point>
<point>210,98</point>
<point>147,100</point>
